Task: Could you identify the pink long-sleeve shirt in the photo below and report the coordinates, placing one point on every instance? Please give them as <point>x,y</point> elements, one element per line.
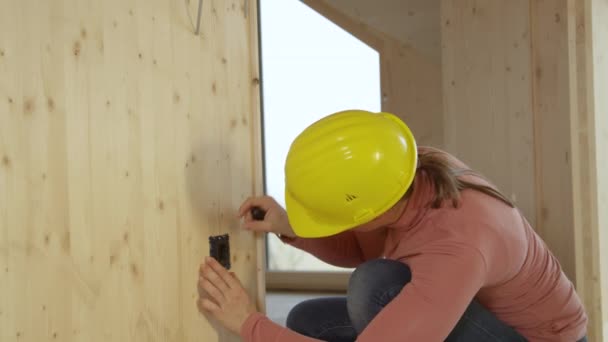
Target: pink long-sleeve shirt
<point>483,249</point>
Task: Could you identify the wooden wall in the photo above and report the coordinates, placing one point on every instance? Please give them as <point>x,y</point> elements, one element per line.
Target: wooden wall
<point>125,141</point>
<point>487,95</point>
<point>596,233</point>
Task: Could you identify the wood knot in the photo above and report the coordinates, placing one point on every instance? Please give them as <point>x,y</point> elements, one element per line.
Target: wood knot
<point>161,205</point>
<point>66,242</point>
<point>176,97</point>
<point>6,161</point>
<point>83,33</point>
<point>29,106</point>
<point>76,48</point>
<point>50,103</point>
<point>538,72</point>
<point>233,123</point>
<point>134,270</point>
<point>224,60</point>
<point>214,87</point>
<point>255,81</point>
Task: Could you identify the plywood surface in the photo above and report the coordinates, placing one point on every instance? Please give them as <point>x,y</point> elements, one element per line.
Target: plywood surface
<point>598,12</point>
<point>487,95</point>
<point>125,141</point>
<point>413,23</point>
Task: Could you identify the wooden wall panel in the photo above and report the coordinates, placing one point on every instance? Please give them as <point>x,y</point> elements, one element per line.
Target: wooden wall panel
<point>487,97</point>
<point>125,141</point>
<point>597,13</point>
<point>412,23</point>
<point>585,172</point>
<point>411,88</point>
<point>554,79</point>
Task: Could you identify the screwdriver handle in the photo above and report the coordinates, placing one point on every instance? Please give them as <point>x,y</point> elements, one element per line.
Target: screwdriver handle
<point>258,213</point>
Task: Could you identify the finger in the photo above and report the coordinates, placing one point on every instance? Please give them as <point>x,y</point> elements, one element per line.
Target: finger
<point>224,274</point>
<point>264,202</point>
<point>201,269</point>
<point>210,273</point>
<point>246,206</point>
<point>199,288</point>
<point>258,226</point>
<point>205,305</point>
<point>211,289</point>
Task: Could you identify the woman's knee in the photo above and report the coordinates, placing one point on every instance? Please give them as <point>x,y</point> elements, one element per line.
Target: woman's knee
<point>309,316</point>
<point>377,275</point>
<point>299,316</point>
<point>372,286</point>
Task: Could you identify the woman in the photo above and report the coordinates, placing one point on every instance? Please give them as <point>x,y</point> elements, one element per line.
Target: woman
<point>440,253</point>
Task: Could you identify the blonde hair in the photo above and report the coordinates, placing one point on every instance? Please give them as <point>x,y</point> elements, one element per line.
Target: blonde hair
<point>448,183</point>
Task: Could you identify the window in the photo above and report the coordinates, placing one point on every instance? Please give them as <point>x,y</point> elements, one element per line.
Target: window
<point>310,68</point>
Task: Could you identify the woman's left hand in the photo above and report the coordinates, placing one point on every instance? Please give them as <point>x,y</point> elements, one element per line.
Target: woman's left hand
<point>226,299</point>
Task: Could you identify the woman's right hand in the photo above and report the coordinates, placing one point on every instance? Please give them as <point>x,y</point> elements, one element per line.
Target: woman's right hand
<point>275,220</point>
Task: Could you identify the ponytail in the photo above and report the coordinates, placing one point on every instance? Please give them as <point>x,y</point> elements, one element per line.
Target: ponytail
<point>448,183</point>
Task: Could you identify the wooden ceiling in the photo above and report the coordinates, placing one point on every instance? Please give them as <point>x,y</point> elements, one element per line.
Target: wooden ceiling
<point>415,23</point>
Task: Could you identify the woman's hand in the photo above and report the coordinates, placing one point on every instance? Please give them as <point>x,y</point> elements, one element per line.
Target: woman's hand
<point>225,299</point>
<point>275,220</point>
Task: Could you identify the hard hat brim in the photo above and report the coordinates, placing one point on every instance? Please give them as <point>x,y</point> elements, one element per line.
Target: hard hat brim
<point>305,226</point>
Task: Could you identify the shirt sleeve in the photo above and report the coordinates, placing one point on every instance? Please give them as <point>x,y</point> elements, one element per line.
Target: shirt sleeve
<point>258,328</point>
<point>445,279</point>
<point>342,250</point>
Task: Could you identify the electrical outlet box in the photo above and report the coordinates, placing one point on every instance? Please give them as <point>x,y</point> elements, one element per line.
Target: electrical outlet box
<point>219,249</point>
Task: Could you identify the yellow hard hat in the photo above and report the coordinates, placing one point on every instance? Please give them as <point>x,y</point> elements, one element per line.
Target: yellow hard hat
<point>347,169</point>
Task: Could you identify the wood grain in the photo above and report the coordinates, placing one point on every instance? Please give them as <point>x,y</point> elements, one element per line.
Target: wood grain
<point>598,12</point>
<point>487,96</point>
<point>411,23</point>
<point>125,141</point>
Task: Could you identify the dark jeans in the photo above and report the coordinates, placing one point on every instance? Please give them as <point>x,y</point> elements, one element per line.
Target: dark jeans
<point>372,286</point>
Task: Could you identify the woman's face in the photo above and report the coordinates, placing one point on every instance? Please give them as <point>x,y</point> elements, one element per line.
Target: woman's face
<point>387,218</point>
